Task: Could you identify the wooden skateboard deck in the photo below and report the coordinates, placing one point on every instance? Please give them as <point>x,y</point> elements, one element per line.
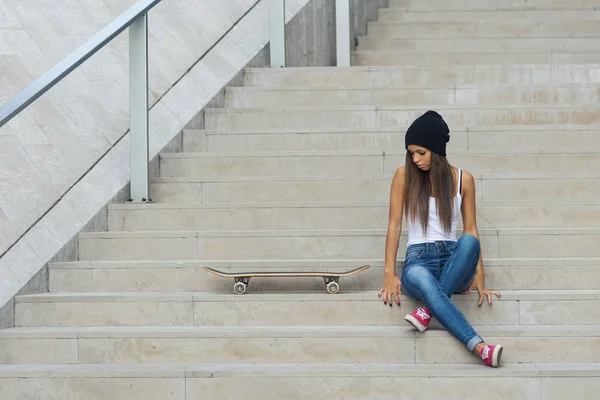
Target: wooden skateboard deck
<point>243,278</point>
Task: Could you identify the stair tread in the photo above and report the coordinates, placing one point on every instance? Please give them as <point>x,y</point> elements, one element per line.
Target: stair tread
<point>370,68</point>
<point>470,128</point>
<point>275,331</point>
<point>503,22</point>
<point>274,370</point>
<point>341,88</point>
<point>446,40</point>
<point>489,262</point>
<point>416,7</point>
<point>408,107</point>
<point>382,176</point>
<point>507,295</point>
<point>382,152</point>
<point>326,232</point>
<point>346,204</point>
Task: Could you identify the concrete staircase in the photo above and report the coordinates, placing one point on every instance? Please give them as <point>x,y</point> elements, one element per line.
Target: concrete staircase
<point>294,174</point>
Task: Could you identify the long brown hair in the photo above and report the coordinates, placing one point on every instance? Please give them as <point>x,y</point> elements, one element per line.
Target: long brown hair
<point>419,185</point>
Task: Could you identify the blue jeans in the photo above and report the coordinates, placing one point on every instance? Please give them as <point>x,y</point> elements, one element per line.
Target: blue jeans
<point>433,272</point>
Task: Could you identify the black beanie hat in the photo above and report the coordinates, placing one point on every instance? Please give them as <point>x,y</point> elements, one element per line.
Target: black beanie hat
<point>429,131</point>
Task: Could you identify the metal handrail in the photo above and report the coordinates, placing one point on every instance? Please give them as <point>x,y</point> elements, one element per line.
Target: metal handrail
<point>135,18</point>
<point>41,85</point>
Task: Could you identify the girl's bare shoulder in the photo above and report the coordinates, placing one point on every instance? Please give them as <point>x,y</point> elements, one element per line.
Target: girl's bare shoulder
<point>400,171</point>
<point>465,174</point>
<point>399,175</point>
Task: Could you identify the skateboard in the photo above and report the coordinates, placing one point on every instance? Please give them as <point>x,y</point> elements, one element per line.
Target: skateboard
<point>242,279</point>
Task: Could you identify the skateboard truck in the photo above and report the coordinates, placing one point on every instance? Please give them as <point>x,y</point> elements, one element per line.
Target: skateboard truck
<point>240,285</point>
<point>331,282</point>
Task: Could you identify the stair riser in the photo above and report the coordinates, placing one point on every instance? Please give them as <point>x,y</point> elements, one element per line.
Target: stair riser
<point>373,164</point>
<point>439,60</point>
<point>336,217</point>
<point>489,4</point>
<point>300,387</point>
<point>410,77</point>
<point>395,118</point>
<point>215,141</point>
<point>169,279</point>
<point>219,349</point>
<point>240,248</point>
<point>398,15</point>
<point>98,387</point>
<point>495,45</point>
<point>394,97</point>
<point>375,190</point>
<point>365,246</point>
<point>475,29</point>
<point>228,311</point>
<point>383,388</point>
<point>190,166</point>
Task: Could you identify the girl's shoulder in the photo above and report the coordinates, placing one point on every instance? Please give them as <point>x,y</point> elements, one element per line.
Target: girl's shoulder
<point>467,182</point>
<point>463,172</point>
<point>399,174</point>
<point>398,179</point>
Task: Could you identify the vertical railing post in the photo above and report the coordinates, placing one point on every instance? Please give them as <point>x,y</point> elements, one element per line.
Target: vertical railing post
<point>342,32</point>
<point>138,110</point>
<point>277,32</point>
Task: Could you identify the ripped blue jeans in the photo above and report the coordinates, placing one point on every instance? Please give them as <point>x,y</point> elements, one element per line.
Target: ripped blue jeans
<point>433,272</point>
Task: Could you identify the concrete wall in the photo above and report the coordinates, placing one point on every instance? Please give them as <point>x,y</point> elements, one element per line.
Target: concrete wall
<point>66,157</point>
<point>363,11</point>
<point>311,34</point>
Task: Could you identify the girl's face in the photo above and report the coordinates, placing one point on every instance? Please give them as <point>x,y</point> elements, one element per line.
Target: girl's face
<point>420,156</point>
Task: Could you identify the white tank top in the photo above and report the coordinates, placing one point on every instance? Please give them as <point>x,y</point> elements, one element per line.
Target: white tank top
<point>435,232</point>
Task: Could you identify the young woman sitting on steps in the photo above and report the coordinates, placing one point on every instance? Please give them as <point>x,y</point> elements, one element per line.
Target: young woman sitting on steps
<point>432,193</point>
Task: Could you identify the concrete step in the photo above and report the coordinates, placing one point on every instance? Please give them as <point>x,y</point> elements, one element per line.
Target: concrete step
<point>211,164</point>
<point>413,75</point>
<point>529,307</point>
<point>473,13</point>
<point>438,59</point>
<point>499,137</point>
<point>319,244</point>
<point>338,215</point>
<point>355,381</point>
<point>492,5</point>
<point>277,97</point>
<point>300,344</point>
<point>189,276</point>
<point>318,188</point>
<point>538,45</point>
<point>518,28</point>
<point>375,117</point>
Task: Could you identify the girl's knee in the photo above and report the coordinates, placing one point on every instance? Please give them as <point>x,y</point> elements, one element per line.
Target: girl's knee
<point>416,276</point>
<point>469,241</point>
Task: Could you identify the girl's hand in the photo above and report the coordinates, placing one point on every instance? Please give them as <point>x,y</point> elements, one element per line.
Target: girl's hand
<point>392,288</point>
<point>479,285</point>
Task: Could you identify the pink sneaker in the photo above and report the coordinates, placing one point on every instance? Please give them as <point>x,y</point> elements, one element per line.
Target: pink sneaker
<point>419,319</point>
<point>490,354</point>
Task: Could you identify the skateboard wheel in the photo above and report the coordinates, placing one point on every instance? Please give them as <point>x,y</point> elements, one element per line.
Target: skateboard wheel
<point>333,287</point>
<point>239,287</point>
